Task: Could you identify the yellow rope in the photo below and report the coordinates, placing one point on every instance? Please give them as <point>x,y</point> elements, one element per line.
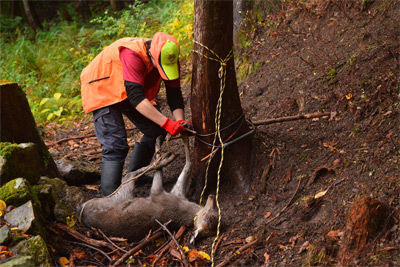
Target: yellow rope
<point>222,77</point>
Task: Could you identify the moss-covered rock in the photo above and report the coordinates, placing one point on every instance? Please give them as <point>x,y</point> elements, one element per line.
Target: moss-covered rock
<point>17,192</point>
<point>25,261</point>
<point>64,199</point>
<point>19,160</point>
<point>36,248</point>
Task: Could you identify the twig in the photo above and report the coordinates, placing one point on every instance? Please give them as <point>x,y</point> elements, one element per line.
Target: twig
<point>237,252</point>
<point>218,242</point>
<point>292,118</point>
<point>109,240</point>
<point>92,247</point>
<point>164,249</point>
<point>137,248</point>
<point>83,238</point>
<point>176,242</point>
<point>288,204</point>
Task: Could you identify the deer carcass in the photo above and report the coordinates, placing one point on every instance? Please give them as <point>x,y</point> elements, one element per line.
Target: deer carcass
<point>122,215</point>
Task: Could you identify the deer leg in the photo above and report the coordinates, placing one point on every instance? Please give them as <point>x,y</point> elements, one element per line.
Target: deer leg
<point>180,186</point>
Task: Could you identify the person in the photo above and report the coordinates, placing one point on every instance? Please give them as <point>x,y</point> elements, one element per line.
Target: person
<point>124,79</point>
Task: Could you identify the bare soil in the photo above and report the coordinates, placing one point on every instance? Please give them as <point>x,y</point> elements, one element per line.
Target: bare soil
<point>335,56</point>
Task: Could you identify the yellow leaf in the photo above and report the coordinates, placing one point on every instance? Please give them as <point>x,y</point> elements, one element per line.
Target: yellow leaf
<point>185,249</point>
<point>1,213</point>
<point>3,205</point>
<point>70,222</point>
<point>57,96</point>
<point>349,96</point>
<point>64,261</point>
<point>320,194</point>
<point>15,229</point>
<point>204,255</point>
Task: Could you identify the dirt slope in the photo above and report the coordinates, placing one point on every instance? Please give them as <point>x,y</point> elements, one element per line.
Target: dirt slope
<point>322,56</point>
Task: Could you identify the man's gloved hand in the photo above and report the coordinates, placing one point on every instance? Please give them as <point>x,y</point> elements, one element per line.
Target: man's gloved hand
<point>186,124</point>
<point>173,127</point>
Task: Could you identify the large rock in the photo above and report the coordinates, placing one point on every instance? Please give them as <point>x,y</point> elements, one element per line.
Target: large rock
<point>23,261</point>
<point>5,234</point>
<point>18,192</point>
<point>27,219</point>
<point>36,248</point>
<point>63,198</point>
<point>77,173</point>
<point>19,161</point>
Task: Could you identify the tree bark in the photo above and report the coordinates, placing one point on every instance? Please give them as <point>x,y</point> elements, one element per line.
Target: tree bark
<point>17,125</point>
<point>213,28</point>
<point>30,13</point>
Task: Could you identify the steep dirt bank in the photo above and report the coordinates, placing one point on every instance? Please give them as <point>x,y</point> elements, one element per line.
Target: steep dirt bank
<point>323,56</point>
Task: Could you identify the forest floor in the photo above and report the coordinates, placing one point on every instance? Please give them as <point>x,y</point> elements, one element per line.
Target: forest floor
<point>323,56</point>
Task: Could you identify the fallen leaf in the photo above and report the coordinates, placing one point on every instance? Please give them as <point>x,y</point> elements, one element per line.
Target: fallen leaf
<point>3,205</point>
<point>334,235</point>
<point>250,239</point>
<point>304,246</point>
<point>77,253</point>
<point>64,261</point>
<point>204,255</point>
<point>266,256</point>
<point>70,222</point>
<point>267,214</point>
<point>320,194</point>
<point>92,187</point>
<point>71,142</point>
<point>251,198</point>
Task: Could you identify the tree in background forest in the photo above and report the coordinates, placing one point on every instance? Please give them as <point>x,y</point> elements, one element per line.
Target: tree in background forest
<point>213,33</point>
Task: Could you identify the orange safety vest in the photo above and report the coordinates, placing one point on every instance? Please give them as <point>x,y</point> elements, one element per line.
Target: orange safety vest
<point>102,83</point>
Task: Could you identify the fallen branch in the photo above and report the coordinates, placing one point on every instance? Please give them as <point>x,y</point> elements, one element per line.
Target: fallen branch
<point>79,137</point>
<point>137,248</point>
<point>237,252</point>
<point>164,249</point>
<point>75,234</point>
<point>293,118</point>
<point>176,242</point>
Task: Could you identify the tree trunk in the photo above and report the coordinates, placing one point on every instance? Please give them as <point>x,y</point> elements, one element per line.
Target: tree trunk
<point>213,28</point>
<point>30,13</point>
<point>17,125</point>
<point>85,10</point>
<point>367,218</point>
<point>116,5</point>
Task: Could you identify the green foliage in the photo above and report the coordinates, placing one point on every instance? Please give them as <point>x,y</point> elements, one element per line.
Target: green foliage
<point>50,62</point>
<point>55,108</point>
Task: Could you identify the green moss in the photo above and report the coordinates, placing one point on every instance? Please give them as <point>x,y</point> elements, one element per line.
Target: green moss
<point>17,192</point>
<point>6,149</point>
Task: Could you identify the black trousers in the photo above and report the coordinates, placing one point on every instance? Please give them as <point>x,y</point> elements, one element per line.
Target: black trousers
<point>111,133</point>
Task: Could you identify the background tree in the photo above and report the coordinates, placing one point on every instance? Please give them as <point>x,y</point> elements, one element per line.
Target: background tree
<point>213,28</point>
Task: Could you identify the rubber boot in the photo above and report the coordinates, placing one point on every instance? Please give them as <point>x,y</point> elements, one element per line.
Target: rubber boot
<point>141,156</point>
<point>111,174</point>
